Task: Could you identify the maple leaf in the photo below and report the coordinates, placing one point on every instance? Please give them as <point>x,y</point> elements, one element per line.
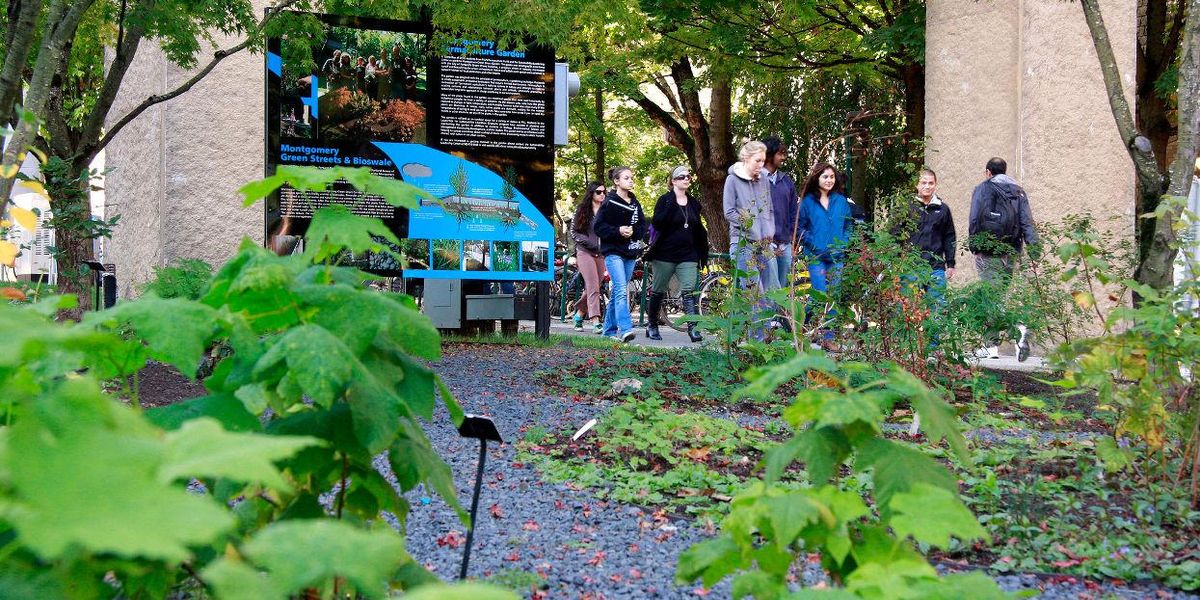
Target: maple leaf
<point>453,538</point>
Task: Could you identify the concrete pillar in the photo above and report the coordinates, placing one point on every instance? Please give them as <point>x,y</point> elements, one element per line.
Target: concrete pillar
<point>1020,80</point>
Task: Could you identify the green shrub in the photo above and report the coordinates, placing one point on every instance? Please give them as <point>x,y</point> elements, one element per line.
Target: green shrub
<point>183,278</point>
<point>99,497</point>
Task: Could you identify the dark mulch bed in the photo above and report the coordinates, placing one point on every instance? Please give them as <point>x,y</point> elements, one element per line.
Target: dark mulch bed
<point>161,384</point>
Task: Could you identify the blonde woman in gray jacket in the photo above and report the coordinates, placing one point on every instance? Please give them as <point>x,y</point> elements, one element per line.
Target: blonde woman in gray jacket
<point>747,203</point>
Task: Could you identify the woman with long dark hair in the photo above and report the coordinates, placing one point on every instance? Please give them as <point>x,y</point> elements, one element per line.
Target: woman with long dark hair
<point>588,258</point>
<point>621,226</point>
<point>680,249</point>
<point>826,221</point>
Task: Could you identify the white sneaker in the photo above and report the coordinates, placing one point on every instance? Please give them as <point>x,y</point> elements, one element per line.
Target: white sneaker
<point>988,352</point>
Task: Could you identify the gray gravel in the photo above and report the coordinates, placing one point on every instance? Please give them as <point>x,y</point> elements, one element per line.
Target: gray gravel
<point>583,547</point>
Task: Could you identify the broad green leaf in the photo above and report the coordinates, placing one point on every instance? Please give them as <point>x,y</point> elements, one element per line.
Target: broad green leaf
<point>711,560</point>
<point>823,594</point>
<point>932,514</point>
<point>376,411</point>
<point>334,229</point>
<point>759,585</point>
<point>790,513</point>
<point>1114,457</point>
<point>201,449</point>
<point>875,544</point>
<point>226,409</point>
<point>462,591</point>
<point>456,412</point>
<point>889,580</point>
<point>765,380</point>
<point>308,553</point>
<point>318,362</point>
<point>823,450</point>
<point>777,458</point>
<point>90,482</point>
<point>831,407</point>
<point>938,419</point>
<point>897,469</point>
<point>974,585</point>
<point>176,330</point>
<point>354,315</point>
<point>233,580</point>
<point>394,192</point>
<point>413,460</point>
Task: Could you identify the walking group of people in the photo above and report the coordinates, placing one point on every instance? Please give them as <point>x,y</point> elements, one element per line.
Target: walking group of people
<point>380,78</point>
<point>773,223</point>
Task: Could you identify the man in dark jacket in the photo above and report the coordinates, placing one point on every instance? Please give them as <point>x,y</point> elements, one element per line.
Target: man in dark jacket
<point>1000,225</point>
<point>785,205</point>
<point>933,233</point>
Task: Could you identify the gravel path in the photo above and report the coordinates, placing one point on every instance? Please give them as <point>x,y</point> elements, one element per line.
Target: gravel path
<point>581,546</point>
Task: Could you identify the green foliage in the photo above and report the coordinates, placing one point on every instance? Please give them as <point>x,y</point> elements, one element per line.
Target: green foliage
<point>98,494</point>
<point>183,278</point>
<point>769,527</point>
<point>646,453</point>
<point>1141,365</point>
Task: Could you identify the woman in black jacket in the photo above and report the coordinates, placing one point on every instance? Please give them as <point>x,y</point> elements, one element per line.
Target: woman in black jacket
<point>621,225</point>
<point>588,258</point>
<point>680,248</point>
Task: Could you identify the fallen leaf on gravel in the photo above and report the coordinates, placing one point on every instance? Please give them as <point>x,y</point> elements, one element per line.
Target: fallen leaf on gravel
<point>453,539</point>
<point>698,454</point>
<point>634,573</point>
<point>597,559</point>
<point>633,548</point>
<point>497,512</point>
<point>513,557</point>
<point>615,578</point>
<point>559,505</point>
<point>700,591</point>
<point>531,525</point>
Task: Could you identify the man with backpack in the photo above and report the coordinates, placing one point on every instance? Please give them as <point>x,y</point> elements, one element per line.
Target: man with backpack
<point>1000,225</point>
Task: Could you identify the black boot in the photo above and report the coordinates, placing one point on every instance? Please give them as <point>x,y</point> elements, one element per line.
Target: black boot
<point>652,308</point>
<point>689,308</point>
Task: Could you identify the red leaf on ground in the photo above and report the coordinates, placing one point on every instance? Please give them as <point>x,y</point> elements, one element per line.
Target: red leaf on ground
<point>597,559</point>
<point>633,548</point>
<point>452,538</point>
<point>531,525</point>
<point>559,505</point>
<point>700,591</point>
<point>512,557</point>
<point>634,573</point>
<point>497,512</point>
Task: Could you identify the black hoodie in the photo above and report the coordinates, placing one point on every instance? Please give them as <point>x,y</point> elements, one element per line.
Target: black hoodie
<point>614,214</point>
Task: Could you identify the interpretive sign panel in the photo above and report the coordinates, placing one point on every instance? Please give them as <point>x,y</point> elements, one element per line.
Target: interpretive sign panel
<point>470,123</point>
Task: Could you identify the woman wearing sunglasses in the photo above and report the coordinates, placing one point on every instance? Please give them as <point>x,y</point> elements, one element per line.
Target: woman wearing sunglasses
<point>680,248</point>
<point>588,258</point>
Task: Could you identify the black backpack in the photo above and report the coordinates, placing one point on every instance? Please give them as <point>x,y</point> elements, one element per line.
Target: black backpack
<point>1002,219</point>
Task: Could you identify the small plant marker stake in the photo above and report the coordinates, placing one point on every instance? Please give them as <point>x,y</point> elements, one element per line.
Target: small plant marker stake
<point>483,429</point>
<point>583,430</point>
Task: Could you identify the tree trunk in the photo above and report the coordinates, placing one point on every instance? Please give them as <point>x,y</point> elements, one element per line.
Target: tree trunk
<point>62,20</point>
<point>1151,182</point>
<point>598,135</point>
<point>913,78</point>
<point>1158,268</point>
<point>20,37</point>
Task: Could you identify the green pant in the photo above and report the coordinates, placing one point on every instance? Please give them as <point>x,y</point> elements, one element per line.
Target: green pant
<point>686,272</point>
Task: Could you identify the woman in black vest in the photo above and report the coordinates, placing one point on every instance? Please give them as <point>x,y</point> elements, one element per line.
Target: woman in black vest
<point>680,248</point>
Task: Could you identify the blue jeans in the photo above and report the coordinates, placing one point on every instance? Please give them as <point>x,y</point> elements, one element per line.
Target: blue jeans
<point>936,290</point>
<point>822,276</point>
<point>616,315</point>
<point>783,267</point>
<point>761,278</point>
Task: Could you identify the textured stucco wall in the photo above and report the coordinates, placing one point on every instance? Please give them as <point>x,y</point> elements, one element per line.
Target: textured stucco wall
<point>1020,79</point>
<point>177,168</point>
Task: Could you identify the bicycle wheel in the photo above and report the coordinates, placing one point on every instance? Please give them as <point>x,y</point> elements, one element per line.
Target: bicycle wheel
<point>713,292</point>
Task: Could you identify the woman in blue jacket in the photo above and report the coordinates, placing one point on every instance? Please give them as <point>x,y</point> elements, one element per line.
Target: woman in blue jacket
<point>826,220</point>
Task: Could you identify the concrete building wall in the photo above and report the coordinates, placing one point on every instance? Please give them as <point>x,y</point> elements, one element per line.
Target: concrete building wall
<point>1020,80</point>
<point>178,166</point>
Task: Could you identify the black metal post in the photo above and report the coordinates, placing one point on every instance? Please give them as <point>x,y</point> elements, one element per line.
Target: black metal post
<point>462,574</point>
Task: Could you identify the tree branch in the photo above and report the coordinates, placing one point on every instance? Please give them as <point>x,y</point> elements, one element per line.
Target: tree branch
<point>218,56</point>
<point>123,58</point>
